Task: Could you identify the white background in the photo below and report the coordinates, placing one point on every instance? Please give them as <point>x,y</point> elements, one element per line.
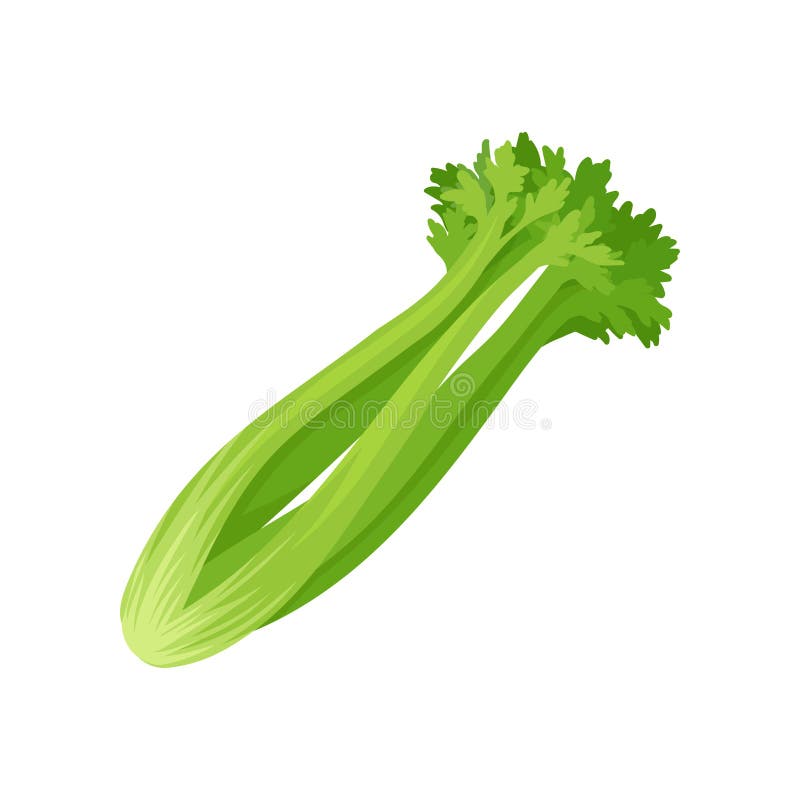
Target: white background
<point>201,203</point>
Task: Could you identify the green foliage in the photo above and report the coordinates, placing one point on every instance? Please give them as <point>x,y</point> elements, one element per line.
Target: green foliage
<point>619,259</point>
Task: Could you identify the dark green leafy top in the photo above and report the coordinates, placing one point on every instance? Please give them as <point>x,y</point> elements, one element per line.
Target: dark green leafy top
<point>525,204</point>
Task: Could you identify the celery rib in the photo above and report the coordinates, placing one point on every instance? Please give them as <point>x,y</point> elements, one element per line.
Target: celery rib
<point>223,560</point>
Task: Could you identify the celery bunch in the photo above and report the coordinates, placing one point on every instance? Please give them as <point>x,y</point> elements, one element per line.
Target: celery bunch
<point>224,560</point>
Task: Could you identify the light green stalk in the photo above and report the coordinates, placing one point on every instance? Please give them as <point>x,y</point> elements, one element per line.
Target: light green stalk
<point>220,563</point>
